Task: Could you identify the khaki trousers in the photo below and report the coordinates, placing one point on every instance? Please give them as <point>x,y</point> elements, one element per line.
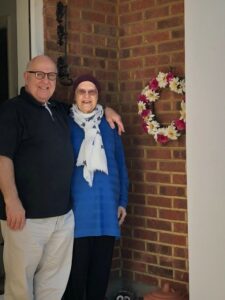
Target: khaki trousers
<point>37,259</point>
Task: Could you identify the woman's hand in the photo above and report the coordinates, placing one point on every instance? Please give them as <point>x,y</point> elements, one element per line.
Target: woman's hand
<point>121,214</point>
<point>113,117</point>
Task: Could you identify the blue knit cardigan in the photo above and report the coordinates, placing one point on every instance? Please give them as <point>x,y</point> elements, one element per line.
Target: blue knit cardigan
<point>95,208</point>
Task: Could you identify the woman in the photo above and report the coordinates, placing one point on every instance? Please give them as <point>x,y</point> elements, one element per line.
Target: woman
<point>99,192</point>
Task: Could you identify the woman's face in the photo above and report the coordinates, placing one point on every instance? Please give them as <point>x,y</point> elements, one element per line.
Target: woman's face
<point>86,96</point>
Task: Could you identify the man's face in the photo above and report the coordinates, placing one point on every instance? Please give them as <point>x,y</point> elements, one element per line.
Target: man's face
<point>40,89</point>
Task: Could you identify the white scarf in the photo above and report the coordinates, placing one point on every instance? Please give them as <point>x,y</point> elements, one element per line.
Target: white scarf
<point>92,154</point>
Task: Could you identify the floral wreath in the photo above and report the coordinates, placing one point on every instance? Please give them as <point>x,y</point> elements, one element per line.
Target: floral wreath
<point>149,95</point>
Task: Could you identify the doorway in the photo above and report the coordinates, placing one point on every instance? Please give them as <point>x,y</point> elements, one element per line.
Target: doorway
<point>4,84</point>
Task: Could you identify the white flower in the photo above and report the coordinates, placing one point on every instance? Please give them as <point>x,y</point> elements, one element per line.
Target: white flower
<point>174,84</point>
<point>162,80</point>
<point>152,127</point>
<point>151,95</point>
<point>141,106</point>
<point>172,133</point>
<point>183,111</point>
<point>182,85</point>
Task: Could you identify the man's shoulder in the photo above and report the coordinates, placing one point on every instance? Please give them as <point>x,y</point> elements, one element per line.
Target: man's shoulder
<point>61,105</point>
<point>10,104</point>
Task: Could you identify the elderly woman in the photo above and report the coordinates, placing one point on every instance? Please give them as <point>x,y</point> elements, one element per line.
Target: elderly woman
<point>99,192</point>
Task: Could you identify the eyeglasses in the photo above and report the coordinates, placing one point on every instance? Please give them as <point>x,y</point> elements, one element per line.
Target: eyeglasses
<point>41,75</point>
<point>91,93</point>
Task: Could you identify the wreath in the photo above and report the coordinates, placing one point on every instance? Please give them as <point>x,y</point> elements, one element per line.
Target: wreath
<point>149,95</point>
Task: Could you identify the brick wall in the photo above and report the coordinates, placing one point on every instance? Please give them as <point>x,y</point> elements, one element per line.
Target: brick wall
<point>124,43</point>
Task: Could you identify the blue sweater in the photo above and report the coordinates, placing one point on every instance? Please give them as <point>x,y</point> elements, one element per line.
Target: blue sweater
<point>95,208</point>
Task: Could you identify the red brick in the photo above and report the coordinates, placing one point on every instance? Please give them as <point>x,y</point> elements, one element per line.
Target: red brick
<point>159,249</point>
<point>144,234</point>
<point>144,26</point>
<point>134,265</point>
<point>172,239</point>
<point>157,60</point>
<point>157,12</point>
<point>157,177</point>
<point>159,225</point>
<point>170,22</point>
<point>145,211</point>
<point>141,51</point>
<point>145,257</point>
<point>141,4</point>
<point>180,252</point>
<point>159,271</point>
<point>133,244</point>
<point>131,63</point>
<point>158,153</point>
<point>180,227</point>
<point>93,16</point>
<point>159,201</point>
<point>181,276</point>
<point>177,34</point>
<point>172,215</point>
<point>150,280</point>
<point>177,8</point>
<point>172,166</point>
<point>104,6</point>
<point>180,203</point>
<point>179,179</point>
<point>129,18</point>
<point>155,37</point>
<point>135,221</point>
<point>171,46</point>
<point>172,191</point>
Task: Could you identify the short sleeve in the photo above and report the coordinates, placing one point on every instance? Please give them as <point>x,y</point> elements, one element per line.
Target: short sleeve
<point>9,129</point>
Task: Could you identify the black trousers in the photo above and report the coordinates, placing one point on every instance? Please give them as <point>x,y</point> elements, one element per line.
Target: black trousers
<point>92,258</point>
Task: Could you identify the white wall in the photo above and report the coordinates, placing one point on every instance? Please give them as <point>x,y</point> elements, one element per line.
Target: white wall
<point>205,78</point>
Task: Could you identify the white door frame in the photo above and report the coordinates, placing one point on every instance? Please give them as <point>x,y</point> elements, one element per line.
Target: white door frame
<point>30,33</point>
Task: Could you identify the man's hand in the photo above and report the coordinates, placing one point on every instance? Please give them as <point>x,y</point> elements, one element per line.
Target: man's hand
<point>113,117</point>
<point>121,214</point>
<point>15,214</point>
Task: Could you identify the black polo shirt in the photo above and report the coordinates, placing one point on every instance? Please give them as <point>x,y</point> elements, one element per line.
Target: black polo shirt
<point>37,139</point>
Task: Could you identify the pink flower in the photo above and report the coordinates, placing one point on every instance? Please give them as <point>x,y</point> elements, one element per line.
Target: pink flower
<point>145,113</point>
<point>162,139</point>
<point>153,84</point>
<point>180,124</point>
<point>142,98</point>
<point>169,76</point>
<point>144,126</point>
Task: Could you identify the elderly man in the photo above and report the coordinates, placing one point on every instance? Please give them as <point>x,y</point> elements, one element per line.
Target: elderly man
<point>36,163</point>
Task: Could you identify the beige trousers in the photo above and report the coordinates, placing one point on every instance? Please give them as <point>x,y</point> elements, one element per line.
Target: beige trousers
<point>37,259</point>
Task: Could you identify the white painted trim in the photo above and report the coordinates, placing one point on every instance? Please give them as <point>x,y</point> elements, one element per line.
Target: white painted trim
<point>36,27</point>
<point>23,39</point>
<point>205,65</point>
<point>30,33</point>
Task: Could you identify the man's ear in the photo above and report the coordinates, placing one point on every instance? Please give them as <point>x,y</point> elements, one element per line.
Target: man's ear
<point>25,76</point>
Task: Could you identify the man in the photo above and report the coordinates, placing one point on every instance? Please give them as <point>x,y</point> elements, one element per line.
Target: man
<point>36,162</point>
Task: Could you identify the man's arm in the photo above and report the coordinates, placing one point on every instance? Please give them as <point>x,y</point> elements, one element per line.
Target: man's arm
<point>15,212</point>
<point>113,117</point>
